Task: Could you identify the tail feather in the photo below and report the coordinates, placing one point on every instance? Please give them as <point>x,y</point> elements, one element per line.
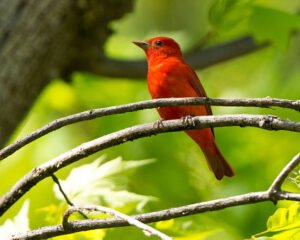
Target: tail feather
<point>216,162</point>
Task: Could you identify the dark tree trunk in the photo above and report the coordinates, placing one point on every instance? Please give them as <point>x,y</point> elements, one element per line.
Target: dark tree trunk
<point>41,40</point>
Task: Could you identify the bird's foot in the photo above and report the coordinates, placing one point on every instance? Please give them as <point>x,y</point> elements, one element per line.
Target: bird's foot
<point>188,120</point>
<point>158,123</point>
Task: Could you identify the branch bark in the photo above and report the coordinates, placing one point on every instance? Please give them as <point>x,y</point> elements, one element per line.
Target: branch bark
<point>274,194</point>
<point>130,220</point>
<point>129,134</point>
<point>95,113</point>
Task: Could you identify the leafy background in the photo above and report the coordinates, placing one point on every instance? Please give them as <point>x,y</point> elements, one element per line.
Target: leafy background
<point>178,175</point>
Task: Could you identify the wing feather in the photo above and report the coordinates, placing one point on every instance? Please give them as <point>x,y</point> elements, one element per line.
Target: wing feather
<point>197,86</point>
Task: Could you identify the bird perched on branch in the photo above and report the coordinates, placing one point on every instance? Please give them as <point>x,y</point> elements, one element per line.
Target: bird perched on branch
<point>170,76</point>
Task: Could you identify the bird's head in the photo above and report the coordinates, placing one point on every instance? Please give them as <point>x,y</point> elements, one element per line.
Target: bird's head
<point>160,47</point>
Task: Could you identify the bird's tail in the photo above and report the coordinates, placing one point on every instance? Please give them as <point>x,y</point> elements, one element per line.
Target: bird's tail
<point>216,162</point>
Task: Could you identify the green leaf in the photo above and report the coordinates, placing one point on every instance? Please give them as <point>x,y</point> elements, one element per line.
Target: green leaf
<point>284,219</point>
<point>273,25</point>
<point>226,14</point>
<point>293,234</point>
<point>283,224</point>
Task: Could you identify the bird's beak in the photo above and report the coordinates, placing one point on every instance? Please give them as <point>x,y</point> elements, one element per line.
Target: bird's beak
<point>142,44</point>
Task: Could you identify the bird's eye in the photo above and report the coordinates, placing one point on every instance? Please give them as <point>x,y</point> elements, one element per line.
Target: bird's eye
<point>159,43</point>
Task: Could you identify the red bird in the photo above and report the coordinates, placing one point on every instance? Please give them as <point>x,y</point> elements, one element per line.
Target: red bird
<point>170,76</point>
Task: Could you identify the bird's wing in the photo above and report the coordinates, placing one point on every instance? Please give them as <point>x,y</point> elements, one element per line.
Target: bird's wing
<point>196,85</point>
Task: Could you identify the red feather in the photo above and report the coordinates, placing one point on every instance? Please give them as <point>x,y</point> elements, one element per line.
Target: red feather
<point>170,76</point>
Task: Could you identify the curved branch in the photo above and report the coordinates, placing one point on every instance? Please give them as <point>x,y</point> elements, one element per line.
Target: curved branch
<point>136,132</point>
<point>95,113</point>
<point>277,183</point>
<point>118,215</point>
<point>214,205</point>
<point>199,58</point>
<point>83,225</point>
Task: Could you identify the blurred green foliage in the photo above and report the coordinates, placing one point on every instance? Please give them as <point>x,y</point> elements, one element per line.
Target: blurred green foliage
<point>268,24</point>
<point>179,176</point>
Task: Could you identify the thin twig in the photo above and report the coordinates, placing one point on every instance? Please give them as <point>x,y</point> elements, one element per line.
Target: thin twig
<point>55,179</point>
<point>65,196</point>
<point>214,205</point>
<point>136,132</point>
<point>276,185</point>
<point>130,220</point>
<point>95,113</point>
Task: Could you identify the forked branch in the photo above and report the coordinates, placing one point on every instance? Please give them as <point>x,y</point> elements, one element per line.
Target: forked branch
<point>274,194</point>
<point>128,134</point>
<point>118,215</point>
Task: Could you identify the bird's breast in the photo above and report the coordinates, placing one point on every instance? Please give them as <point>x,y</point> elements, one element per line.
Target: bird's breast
<point>167,80</point>
<point>159,84</point>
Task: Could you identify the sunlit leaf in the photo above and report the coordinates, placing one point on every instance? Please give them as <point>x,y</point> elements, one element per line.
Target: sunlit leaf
<point>284,223</point>
<point>105,184</point>
<point>284,218</point>
<point>20,223</point>
<point>293,234</point>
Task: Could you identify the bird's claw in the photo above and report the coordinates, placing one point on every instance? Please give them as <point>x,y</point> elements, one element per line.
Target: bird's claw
<point>158,123</point>
<point>187,120</point>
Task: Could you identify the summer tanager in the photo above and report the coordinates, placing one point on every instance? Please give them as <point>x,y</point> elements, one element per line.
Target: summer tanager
<point>170,76</point>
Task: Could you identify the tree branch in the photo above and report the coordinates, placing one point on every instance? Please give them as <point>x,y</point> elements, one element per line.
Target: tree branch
<point>199,58</point>
<point>214,205</point>
<point>65,196</point>
<point>277,183</point>
<point>118,215</point>
<point>136,132</point>
<point>95,113</point>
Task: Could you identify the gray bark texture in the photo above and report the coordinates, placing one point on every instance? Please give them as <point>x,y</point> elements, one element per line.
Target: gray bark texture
<point>42,40</point>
